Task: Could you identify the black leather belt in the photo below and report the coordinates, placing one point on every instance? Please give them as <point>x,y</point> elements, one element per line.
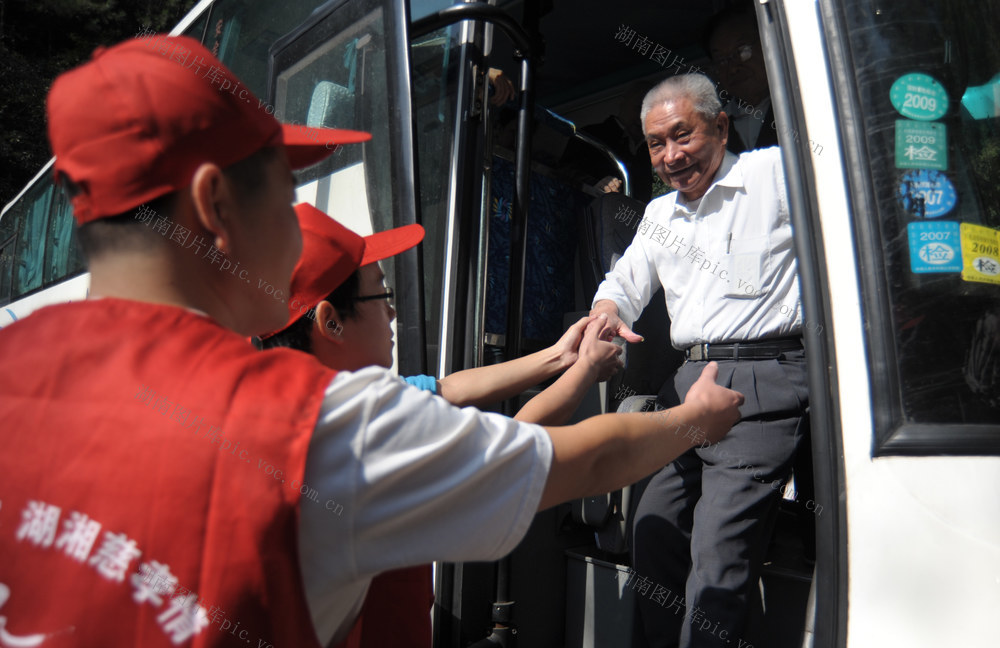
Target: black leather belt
<point>771,349</point>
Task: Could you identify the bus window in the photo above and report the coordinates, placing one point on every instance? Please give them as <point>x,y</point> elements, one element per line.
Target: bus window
<point>62,254</point>
<point>926,76</point>
<point>420,8</point>
<point>339,81</point>
<point>196,29</point>
<point>8,237</point>
<point>434,68</point>
<point>240,34</point>
<point>344,68</point>
<point>29,254</point>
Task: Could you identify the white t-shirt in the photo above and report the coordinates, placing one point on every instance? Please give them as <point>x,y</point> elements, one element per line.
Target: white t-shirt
<point>396,476</point>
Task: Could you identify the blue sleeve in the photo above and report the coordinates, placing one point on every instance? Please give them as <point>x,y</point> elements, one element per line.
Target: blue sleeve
<point>427,383</point>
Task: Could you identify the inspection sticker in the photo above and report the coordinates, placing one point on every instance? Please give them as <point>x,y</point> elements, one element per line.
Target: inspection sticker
<point>981,251</point>
<point>921,145</point>
<point>934,246</point>
<point>927,194</point>
<point>919,96</point>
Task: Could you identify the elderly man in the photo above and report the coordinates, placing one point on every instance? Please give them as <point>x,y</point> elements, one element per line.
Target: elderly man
<point>721,246</point>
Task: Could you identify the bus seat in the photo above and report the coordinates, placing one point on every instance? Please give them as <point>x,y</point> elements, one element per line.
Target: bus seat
<point>610,222</point>
<point>610,514</point>
<point>331,106</point>
<point>615,535</point>
<point>639,403</point>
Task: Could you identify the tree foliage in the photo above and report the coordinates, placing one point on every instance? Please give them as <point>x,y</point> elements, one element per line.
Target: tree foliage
<point>39,39</point>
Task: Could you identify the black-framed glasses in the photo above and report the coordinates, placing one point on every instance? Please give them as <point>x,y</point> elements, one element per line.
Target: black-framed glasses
<point>742,54</point>
<point>387,295</point>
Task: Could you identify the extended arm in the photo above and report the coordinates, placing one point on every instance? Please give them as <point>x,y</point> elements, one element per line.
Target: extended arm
<point>598,359</point>
<point>485,385</point>
<point>610,451</point>
<point>628,287</point>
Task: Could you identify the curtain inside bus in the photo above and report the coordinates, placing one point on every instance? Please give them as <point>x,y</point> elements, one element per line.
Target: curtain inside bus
<point>30,250</point>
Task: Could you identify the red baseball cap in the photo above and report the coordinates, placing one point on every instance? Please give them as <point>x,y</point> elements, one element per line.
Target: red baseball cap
<point>331,253</point>
<point>137,120</point>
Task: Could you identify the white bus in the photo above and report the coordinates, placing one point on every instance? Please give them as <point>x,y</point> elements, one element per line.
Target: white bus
<point>888,115</point>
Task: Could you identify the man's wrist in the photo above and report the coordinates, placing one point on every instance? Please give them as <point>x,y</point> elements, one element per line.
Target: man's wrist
<point>604,306</point>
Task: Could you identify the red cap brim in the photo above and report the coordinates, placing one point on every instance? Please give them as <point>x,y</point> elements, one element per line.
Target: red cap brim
<point>383,245</point>
<point>305,146</point>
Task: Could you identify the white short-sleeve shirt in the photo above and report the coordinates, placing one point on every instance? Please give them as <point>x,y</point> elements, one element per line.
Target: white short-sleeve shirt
<point>396,476</point>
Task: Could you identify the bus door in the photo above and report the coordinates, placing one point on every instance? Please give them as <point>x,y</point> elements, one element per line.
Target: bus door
<point>353,65</point>
<point>893,114</point>
<point>346,66</point>
<point>562,586</point>
<point>472,264</point>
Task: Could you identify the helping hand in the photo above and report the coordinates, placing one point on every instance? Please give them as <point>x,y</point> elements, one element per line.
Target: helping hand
<point>599,351</point>
<point>569,344</point>
<point>719,406</point>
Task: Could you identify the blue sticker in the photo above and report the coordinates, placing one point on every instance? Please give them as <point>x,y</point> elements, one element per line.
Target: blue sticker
<point>927,193</point>
<point>935,246</point>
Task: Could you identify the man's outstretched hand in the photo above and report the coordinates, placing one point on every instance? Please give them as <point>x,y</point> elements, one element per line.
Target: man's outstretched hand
<point>614,325</point>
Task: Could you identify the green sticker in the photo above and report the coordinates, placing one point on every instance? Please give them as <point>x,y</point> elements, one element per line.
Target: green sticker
<point>919,96</point>
<point>921,145</point>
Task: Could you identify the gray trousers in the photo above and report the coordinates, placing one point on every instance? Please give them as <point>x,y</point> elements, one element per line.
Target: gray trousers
<point>704,521</point>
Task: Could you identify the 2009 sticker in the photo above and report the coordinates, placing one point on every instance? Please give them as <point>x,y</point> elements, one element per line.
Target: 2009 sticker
<point>981,250</point>
<point>934,247</point>
<point>921,145</point>
<point>919,96</point>
<point>927,194</point>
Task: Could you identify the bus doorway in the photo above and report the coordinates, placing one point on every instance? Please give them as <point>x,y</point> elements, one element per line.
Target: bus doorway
<point>570,582</point>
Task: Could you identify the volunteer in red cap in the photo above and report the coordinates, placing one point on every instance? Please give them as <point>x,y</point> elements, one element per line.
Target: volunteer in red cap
<point>164,484</point>
<point>341,312</point>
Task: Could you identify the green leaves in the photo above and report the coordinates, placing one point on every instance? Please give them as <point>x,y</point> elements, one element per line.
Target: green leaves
<point>39,40</point>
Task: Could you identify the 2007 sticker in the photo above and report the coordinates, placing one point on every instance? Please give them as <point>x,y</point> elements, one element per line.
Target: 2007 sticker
<point>934,247</point>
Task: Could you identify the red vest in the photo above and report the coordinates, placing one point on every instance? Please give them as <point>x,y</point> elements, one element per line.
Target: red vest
<point>150,475</point>
<point>396,611</point>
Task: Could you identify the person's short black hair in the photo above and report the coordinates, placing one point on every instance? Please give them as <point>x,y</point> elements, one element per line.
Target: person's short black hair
<point>133,230</point>
<point>739,11</point>
<point>297,336</point>
<point>129,231</point>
